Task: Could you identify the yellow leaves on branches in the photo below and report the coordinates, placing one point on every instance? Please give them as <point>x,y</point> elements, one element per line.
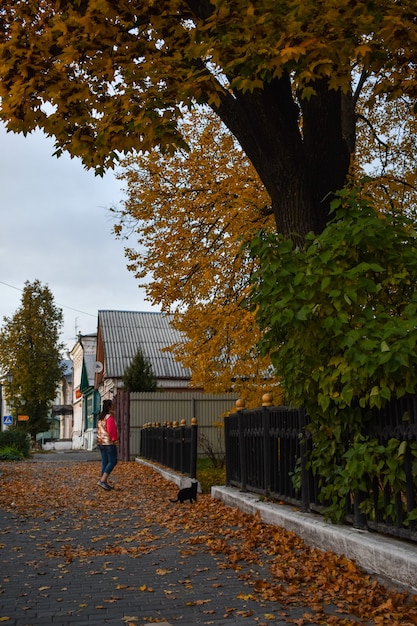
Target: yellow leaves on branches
<point>191,212</point>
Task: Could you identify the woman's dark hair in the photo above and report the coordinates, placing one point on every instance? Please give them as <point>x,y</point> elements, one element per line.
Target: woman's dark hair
<point>106,408</point>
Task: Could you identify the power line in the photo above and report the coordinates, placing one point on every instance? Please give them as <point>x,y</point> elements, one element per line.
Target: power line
<point>65,306</point>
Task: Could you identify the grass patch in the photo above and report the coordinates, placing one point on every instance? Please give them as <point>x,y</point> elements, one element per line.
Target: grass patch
<point>17,440</point>
<point>10,453</point>
<point>208,475</point>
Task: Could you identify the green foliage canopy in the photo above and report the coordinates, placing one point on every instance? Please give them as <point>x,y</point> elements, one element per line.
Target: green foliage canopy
<point>340,313</point>
<point>105,77</point>
<point>339,317</point>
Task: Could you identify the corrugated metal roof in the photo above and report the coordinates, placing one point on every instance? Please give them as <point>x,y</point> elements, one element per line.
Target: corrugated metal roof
<point>89,362</point>
<point>124,332</point>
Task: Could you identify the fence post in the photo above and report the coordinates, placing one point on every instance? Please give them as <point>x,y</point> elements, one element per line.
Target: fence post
<point>305,474</point>
<point>359,518</point>
<point>240,404</point>
<point>242,451</point>
<point>227,450</point>
<point>176,447</point>
<point>410,498</point>
<point>183,446</point>
<point>122,411</point>
<point>193,454</point>
<point>266,402</point>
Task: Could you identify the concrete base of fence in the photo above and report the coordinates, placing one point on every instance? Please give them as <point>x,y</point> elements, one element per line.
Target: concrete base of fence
<point>168,474</point>
<point>379,555</point>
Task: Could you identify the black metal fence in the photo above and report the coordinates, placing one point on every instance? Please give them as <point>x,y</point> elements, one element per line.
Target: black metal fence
<point>174,446</point>
<point>267,447</point>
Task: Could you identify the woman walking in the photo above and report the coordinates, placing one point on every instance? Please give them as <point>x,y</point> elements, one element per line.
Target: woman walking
<point>107,438</point>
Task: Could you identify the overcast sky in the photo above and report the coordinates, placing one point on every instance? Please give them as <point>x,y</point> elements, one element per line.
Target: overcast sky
<point>56,227</point>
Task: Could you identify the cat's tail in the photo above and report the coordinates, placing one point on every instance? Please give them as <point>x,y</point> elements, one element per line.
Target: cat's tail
<point>173,500</point>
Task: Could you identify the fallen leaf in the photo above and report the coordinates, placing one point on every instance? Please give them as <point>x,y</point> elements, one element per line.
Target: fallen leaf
<point>245,596</point>
<point>197,602</point>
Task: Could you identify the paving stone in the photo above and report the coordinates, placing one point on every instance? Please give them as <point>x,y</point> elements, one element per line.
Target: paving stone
<point>37,589</point>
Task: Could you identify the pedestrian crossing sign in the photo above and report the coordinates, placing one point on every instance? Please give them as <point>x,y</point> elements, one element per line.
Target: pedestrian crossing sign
<point>7,420</point>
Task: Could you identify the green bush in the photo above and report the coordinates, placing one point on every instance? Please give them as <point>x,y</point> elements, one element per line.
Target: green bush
<point>208,475</point>
<point>16,439</point>
<point>338,316</point>
<point>10,453</point>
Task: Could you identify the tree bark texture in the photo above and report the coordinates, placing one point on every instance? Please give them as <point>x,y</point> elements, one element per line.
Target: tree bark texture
<point>300,151</point>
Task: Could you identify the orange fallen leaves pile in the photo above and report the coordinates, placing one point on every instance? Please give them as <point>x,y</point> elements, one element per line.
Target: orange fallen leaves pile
<point>295,575</point>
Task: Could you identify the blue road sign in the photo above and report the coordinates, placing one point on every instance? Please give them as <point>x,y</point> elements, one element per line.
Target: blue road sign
<point>7,420</point>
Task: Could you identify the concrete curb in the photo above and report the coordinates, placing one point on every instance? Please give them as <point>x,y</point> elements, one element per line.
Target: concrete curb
<point>178,479</point>
<point>376,554</point>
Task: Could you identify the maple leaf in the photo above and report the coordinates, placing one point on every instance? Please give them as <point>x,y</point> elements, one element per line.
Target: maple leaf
<point>162,572</point>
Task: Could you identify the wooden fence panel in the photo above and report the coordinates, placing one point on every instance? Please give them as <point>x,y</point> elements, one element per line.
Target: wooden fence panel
<point>122,412</point>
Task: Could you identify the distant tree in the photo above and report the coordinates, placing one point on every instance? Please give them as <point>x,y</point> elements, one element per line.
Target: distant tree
<point>138,376</point>
<point>30,350</point>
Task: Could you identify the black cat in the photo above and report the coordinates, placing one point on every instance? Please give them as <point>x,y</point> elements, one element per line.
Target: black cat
<point>187,493</point>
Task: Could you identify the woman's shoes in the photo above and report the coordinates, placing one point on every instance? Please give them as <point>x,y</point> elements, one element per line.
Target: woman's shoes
<point>105,486</point>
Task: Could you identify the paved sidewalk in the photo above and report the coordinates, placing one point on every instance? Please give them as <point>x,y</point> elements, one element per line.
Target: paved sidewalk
<point>67,456</point>
<point>71,553</point>
<point>64,568</point>
<point>172,584</point>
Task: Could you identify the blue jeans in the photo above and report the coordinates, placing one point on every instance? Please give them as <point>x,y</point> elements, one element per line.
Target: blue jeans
<point>108,458</point>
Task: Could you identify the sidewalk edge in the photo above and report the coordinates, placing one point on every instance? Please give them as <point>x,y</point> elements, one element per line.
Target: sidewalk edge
<point>375,554</point>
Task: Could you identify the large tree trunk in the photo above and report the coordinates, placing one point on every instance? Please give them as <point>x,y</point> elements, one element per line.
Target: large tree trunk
<point>300,154</point>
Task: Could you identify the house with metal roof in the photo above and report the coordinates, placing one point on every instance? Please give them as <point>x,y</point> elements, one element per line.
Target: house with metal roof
<point>120,334</point>
<point>86,400</point>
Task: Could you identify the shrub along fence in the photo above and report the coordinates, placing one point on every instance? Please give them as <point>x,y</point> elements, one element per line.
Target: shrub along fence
<point>172,445</point>
<point>267,452</point>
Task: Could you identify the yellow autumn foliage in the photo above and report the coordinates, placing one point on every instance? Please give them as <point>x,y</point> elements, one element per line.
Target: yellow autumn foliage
<point>190,214</point>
